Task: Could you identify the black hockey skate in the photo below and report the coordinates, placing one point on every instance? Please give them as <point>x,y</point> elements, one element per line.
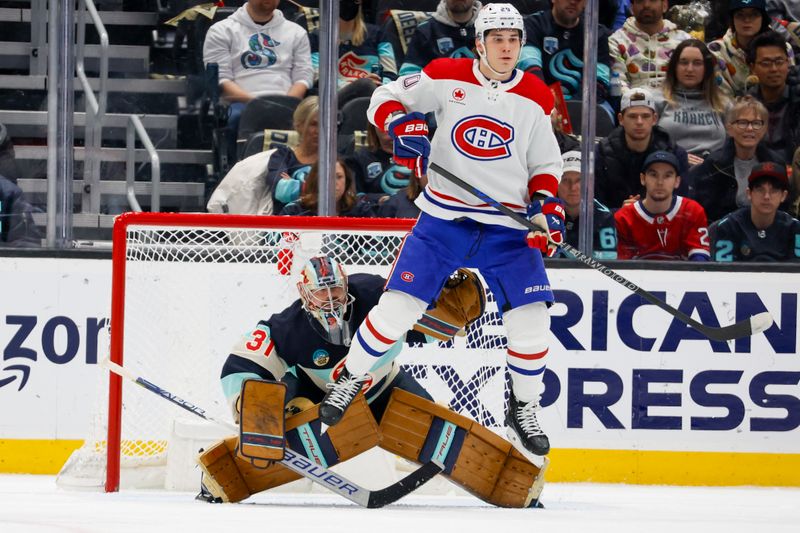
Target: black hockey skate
<point>523,428</point>
<point>339,397</point>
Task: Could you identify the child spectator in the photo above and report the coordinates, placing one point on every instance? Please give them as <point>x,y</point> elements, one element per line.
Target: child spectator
<point>619,156</point>
<point>604,245</point>
<point>720,182</point>
<point>747,19</point>
<point>258,52</point>
<point>264,182</point>
<point>554,49</point>
<point>641,49</point>
<point>760,232</point>
<point>375,172</point>
<point>364,63</point>
<point>770,63</point>
<point>693,106</point>
<point>663,225</point>
<point>347,203</point>
<point>450,32</point>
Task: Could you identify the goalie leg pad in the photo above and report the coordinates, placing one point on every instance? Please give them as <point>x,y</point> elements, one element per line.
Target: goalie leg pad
<point>232,478</point>
<point>261,435</point>
<point>474,458</point>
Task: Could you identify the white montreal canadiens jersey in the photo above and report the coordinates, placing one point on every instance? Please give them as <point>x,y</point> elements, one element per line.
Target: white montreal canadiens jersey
<point>496,136</point>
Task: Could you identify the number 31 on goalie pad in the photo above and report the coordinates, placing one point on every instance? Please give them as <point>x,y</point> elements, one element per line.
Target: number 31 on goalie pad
<point>261,421</point>
<point>476,459</point>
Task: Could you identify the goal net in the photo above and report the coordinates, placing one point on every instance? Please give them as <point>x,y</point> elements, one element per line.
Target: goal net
<point>187,286</point>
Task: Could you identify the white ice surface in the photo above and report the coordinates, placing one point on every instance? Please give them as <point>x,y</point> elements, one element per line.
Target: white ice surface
<point>34,504</point>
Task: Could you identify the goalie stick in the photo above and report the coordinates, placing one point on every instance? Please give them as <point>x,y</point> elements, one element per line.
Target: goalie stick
<point>744,328</point>
<point>298,462</point>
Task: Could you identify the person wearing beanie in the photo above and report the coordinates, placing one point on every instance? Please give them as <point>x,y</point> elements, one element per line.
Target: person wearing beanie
<point>760,232</point>
<point>604,241</point>
<point>746,20</point>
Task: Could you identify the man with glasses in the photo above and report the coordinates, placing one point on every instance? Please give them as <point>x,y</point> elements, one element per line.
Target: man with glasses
<point>720,182</point>
<point>770,63</point>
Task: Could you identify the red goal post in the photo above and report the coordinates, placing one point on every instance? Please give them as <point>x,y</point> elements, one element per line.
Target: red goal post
<point>186,286</point>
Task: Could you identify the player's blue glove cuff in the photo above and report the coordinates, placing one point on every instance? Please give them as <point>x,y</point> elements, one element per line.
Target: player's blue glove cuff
<point>549,216</point>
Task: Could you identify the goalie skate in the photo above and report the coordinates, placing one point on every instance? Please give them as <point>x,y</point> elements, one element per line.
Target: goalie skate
<point>523,430</point>
<point>340,395</point>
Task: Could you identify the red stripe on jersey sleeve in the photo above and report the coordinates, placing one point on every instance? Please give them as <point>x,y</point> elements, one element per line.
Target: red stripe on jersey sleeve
<point>545,184</point>
<point>386,109</point>
<point>448,68</point>
<point>535,89</point>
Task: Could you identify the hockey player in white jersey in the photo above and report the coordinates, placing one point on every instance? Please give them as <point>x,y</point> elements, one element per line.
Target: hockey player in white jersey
<point>494,131</point>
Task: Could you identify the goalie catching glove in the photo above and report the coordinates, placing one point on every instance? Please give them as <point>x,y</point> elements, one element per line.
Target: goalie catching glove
<point>460,303</point>
<point>411,145</point>
<point>549,216</point>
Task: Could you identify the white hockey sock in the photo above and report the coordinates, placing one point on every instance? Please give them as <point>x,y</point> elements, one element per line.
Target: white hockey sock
<point>527,328</point>
<point>388,321</point>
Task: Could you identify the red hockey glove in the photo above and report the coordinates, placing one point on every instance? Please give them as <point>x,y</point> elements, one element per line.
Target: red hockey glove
<point>411,145</point>
<point>549,216</point>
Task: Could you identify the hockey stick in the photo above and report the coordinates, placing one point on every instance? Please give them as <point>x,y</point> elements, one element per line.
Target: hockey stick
<point>744,328</point>
<point>298,462</point>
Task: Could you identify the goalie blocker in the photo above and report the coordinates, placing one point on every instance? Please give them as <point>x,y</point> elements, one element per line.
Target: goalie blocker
<point>414,428</point>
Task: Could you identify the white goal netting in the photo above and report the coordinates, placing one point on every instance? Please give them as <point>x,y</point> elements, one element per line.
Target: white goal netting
<point>186,287</point>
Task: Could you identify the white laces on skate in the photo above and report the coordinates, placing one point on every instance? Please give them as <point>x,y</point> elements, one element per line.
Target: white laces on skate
<point>343,392</point>
<point>526,418</point>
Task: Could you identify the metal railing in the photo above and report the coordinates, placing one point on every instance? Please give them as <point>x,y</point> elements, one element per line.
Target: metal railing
<point>95,105</point>
<point>135,127</point>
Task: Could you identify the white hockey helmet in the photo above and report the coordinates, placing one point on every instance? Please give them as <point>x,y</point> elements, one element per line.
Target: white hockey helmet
<point>498,17</point>
<point>324,296</point>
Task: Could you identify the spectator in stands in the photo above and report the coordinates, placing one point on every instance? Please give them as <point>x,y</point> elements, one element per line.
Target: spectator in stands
<point>663,225</point>
<point>760,232</point>
<point>347,203</point>
<point>401,204</point>
<point>604,244</point>
<point>693,106</point>
<point>747,19</point>
<point>720,182</point>
<point>450,32</point>
<point>619,156</point>
<point>17,228</point>
<point>375,172</point>
<point>794,188</point>
<point>554,49</point>
<point>259,52</point>
<point>641,49</point>
<point>364,63</point>
<point>788,12</point>
<point>770,63</point>
<point>264,182</point>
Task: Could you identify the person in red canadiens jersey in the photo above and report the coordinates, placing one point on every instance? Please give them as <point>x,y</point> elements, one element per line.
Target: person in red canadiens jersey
<point>664,225</point>
<point>494,131</point>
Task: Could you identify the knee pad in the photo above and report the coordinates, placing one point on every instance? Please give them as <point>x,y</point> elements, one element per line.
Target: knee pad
<point>528,326</point>
<point>396,313</point>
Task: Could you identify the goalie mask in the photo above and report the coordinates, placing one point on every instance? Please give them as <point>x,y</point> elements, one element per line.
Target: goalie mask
<point>323,293</point>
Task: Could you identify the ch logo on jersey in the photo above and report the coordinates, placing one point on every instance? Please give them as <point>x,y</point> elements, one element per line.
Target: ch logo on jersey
<point>406,276</point>
<point>483,138</point>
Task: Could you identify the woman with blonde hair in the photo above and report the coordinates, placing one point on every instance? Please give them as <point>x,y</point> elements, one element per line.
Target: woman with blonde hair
<point>720,182</point>
<point>364,60</point>
<point>264,183</point>
<point>693,105</point>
